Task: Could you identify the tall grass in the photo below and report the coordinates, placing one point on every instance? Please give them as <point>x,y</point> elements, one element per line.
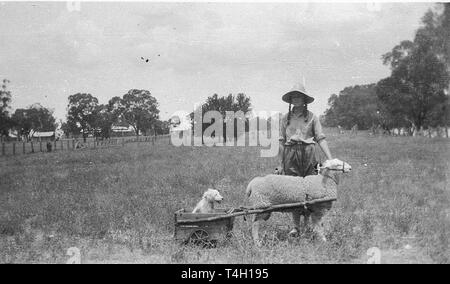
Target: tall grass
<point>117,204</point>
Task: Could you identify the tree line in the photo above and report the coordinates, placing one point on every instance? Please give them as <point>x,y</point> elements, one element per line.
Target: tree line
<point>85,115</point>
<point>25,121</point>
<point>136,108</point>
<point>415,95</point>
<point>223,104</point>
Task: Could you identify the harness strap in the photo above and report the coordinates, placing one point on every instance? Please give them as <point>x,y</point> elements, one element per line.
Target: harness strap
<point>343,168</point>
<point>331,178</point>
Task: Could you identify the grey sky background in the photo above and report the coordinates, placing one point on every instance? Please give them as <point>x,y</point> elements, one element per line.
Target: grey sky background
<point>196,50</point>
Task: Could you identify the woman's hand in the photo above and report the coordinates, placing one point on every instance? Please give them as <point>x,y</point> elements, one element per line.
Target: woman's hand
<point>278,170</point>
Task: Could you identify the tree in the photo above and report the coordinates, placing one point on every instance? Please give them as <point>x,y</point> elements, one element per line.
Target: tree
<point>81,114</point>
<point>354,105</point>
<point>32,119</point>
<point>67,129</point>
<point>138,108</point>
<point>240,102</point>
<point>440,114</point>
<point>104,120</point>
<point>444,39</point>
<point>162,127</point>
<point>436,31</point>
<point>420,74</point>
<point>5,100</point>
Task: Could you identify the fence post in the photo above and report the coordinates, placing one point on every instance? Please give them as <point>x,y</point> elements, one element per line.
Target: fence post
<point>3,148</point>
<point>54,145</point>
<point>23,147</point>
<point>32,147</point>
<point>14,148</point>
<point>73,144</point>
<point>62,145</point>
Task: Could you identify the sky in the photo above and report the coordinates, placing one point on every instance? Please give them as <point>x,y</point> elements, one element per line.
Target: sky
<point>49,51</point>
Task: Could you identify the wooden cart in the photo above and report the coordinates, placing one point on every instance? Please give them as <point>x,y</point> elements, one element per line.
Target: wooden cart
<point>203,229</point>
<point>207,229</point>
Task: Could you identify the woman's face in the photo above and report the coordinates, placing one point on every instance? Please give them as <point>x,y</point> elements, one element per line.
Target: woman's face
<point>298,101</point>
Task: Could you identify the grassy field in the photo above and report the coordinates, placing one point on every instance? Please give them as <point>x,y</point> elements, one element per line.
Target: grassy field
<point>117,204</point>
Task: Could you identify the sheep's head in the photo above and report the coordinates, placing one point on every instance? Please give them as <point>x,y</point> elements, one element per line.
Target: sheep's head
<point>336,165</point>
<point>212,195</point>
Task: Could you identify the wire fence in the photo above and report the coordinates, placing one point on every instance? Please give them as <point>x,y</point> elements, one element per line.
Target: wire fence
<point>14,148</point>
<point>22,148</point>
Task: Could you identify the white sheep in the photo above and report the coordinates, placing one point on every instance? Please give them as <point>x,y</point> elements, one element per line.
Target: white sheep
<point>280,189</point>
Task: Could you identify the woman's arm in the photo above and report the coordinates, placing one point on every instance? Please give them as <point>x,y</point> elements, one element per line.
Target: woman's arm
<point>324,146</point>
<point>280,153</point>
<point>281,142</point>
<point>319,136</point>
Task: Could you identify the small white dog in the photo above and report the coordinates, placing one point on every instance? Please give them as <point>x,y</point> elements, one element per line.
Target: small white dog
<point>206,205</point>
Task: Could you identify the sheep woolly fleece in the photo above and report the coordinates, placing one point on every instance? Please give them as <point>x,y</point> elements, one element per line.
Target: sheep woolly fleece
<point>280,189</point>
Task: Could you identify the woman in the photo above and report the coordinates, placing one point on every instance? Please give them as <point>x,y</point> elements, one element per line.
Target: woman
<point>300,131</point>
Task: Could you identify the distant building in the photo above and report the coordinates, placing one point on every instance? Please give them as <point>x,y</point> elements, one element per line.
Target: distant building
<point>12,134</point>
<point>43,136</point>
<point>117,128</point>
<point>123,129</point>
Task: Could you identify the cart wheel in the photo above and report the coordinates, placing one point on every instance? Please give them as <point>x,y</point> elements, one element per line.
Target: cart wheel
<point>229,235</point>
<point>201,238</point>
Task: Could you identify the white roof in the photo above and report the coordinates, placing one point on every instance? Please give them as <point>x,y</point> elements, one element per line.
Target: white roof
<point>122,128</point>
<point>43,134</point>
<point>12,133</point>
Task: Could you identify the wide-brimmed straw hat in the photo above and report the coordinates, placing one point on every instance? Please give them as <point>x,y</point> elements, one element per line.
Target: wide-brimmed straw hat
<point>297,90</point>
